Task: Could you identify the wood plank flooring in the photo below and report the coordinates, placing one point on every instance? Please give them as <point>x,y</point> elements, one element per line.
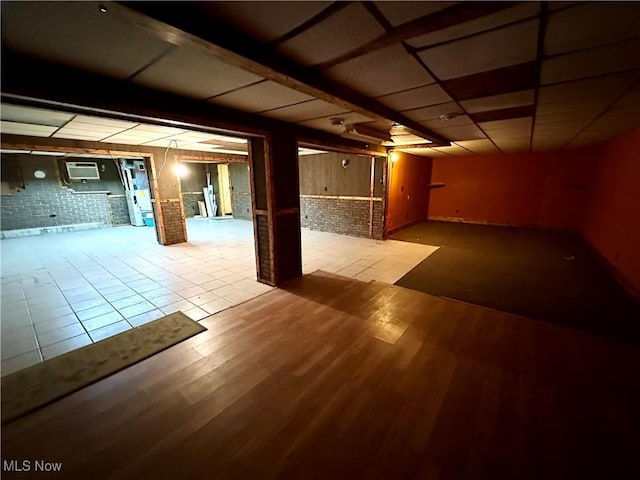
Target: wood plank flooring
<point>333,378</point>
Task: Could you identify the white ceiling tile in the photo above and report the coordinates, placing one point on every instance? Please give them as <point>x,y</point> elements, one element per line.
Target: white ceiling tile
<point>456,121</point>
<point>415,97</point>
<point>489,51</point>
<point>72,136</point>
<point>612,85</point>
<point>156,128</point>
<point>126,139</point>
<point>598,61</point>
<point>575,105</point>
<point>108,122</point>
<point>305,111</point>
<point>38,116</point>
<point>462,132</point>
<point>599,23</point>
<point>426,152</point>
<point>259,97</point>
<point>510,127</point>
<point>503,17</point>
<point>193,74</point>
<point>430,113</point>
<point>333,37</point>
<point>325,123</point>
<point>77,34</point>
<point>249,16</point>
<point>478,146</point>
<point>381,72</point>
<point>401,12</point>
<point>497,102</point>
<point>18,128</point>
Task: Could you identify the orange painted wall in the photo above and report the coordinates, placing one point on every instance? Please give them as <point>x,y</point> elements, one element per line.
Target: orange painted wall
<point>611,220</point>
<point>545,189</point>
<point>408,198</point>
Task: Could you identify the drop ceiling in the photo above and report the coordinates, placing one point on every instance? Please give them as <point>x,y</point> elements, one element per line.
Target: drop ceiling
<point>489,77</point>
<point>39,122</point>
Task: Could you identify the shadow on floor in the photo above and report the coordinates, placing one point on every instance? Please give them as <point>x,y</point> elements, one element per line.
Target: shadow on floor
<point>545,275</point>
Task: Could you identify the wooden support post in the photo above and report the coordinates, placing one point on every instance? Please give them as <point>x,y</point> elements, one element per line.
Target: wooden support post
<point>276,207</point>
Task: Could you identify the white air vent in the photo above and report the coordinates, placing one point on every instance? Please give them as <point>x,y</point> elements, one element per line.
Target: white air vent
<point>83,171</point>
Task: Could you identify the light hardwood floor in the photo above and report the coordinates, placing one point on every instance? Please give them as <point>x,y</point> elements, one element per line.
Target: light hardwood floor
<point>334,378</point>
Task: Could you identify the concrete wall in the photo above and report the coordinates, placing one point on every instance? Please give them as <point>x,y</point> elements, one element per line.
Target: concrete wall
<point>337,199</point>
<point>28,202</point>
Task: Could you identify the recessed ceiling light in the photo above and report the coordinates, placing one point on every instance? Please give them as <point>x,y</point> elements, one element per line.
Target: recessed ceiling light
<point>103,9</point>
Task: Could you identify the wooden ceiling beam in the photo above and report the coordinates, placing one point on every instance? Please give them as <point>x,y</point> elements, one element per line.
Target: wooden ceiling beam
<point>445,18</point>
<point>188,25</point>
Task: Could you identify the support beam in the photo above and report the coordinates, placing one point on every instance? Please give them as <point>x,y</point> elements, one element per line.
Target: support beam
<point>276,208</point>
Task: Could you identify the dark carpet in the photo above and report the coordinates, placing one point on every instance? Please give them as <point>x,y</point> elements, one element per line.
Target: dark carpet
<point>551,276</point>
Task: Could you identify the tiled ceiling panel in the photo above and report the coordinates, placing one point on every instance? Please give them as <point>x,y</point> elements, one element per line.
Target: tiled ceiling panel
<point>508,128</point>
<point>496,102</point>
<point>462,132</point>
<point>439,123</point>
<point>485,52</point>
<point>381,72</point>
<point>36,116</point>
<point>18,128</point>
<point>401,12</point>
<point>477,25</point>
<point>305,111</point>
<point>326,125</point>
<point>332,37</point>
<point>479,146</point>
<point>193,74</point>
<point>429,113</point>
<point>415,97</point>
<point>600,24</point>
<point>610,84</point>
<point>249,17</point>
<point>598,61</point>
<point>77,34</point>
<point>261,96</point>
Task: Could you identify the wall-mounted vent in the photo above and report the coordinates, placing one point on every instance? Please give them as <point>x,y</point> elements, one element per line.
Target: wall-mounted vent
<point>83,171</point>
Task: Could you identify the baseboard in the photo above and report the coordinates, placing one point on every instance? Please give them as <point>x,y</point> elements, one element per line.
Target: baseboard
<point>623,281</point>
<point>406,225</point>
<point>484,222</point>
<point>32,232</point>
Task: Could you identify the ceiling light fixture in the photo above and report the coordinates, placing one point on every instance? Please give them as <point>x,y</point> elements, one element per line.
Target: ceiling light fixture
<point>358,131</point>
<point>103,9</point>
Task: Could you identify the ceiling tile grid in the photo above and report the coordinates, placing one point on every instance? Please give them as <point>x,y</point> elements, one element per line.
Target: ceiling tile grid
<point>79,35</point>
<point>334,36</point>
<point>381,72</point>
<point>478,25</point>
<point>485,52</point>
<point>261,97</point>
<point>249,16</point>
<point>193,74</point>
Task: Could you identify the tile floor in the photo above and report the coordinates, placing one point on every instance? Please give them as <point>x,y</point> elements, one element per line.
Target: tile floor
<point>63,291</point>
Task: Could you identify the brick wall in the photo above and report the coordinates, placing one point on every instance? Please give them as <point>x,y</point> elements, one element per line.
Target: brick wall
<point>345,216</point>
<point>264,249</point>
<point>328,189</point>
<point>174,227</point>
<point>49,205</point>
<point>119,210</point>
<point>241,205</point>
<point>28,202</point>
